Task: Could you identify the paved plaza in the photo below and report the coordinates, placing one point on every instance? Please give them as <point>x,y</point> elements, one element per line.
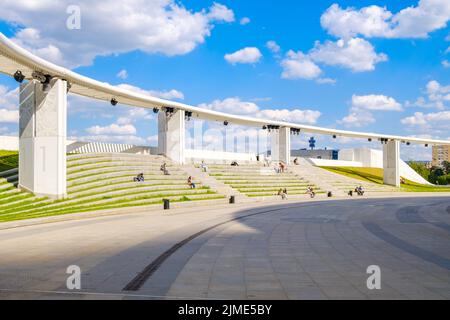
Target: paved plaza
<point>295,250</point>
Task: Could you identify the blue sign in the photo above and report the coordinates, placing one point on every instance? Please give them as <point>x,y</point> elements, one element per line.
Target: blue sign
<point>312,143</point>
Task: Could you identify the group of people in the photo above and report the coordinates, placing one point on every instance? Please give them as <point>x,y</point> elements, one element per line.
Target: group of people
<point>310,191</point>
<point>359,190</point>
<point>283,193</point>
<point>163,168</point>
<point>280,167</point>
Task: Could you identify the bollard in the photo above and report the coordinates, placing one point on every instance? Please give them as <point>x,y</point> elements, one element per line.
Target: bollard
<point>232,199</point>
<point>166,204</point>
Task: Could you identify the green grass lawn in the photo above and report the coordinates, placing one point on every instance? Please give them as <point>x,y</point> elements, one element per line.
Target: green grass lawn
<point>375,175</point>
<point>17,205</point>
<point>8,160</point>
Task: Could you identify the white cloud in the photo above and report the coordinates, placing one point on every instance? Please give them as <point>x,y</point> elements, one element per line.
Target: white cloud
<point>4,130</point>
<point>244,21</point>
<point>428,120</point>
<point>374,21</point>
<point>113,129</point>
<point>362,106</point>
<point>153,139</point>
<point>9,116</point>
<point>357,119</point>
<point>295,115</point>
<point>297,65</point>
<point>369,21</point>
<point>326,81</point>
<point>110,27</point>
<point>448,50</point>
<point>123,74</point>
<point>437,96</point>
<point>9,102</point>
<point>247,55</point>
<point>9,99</point>
<point>273,46</point>
<point>170,95</point>
<point>232,105</point>
<point>375,103</point>
<point>356,54</point>
<point>219,12</point>
<point>133,115</point>
<point>446,64</point>
<point>236,106</point>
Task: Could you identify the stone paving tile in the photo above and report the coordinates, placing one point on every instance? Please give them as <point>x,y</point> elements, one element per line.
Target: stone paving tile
<point>318,252</point>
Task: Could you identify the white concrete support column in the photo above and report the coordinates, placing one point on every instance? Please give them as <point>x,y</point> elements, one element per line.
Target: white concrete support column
<point>172,135</point>
<point>391,163</point>
<point>42,138</point>
<point>281,145</point>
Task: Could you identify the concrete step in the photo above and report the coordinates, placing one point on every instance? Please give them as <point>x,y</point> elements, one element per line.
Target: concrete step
<point>112,169</point>
<point>115,155</point>
<point>271,189</point>
<point>265,185</point>
<point>135,164</point>
<point>118,178</point>
<point>133,187</point>
<point>8,173</point>
<point>213,183</point>
<point>100,181</point>
<point>115,196</point>
<point>77,162</point>
<point>106,204</point>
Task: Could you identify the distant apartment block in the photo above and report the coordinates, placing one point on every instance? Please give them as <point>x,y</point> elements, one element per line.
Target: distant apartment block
<point>440,154</point>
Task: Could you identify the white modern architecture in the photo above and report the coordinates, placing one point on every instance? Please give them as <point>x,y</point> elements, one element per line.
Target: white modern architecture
<point>43,121</point>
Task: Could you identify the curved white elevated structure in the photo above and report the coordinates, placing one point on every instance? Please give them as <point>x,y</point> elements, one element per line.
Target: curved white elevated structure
<point>43,121</point>
<point>13,58</point>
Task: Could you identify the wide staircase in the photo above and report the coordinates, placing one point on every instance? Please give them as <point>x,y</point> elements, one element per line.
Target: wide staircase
<point>336,183</point>
<point>104,181</point>
<point>255,180</point>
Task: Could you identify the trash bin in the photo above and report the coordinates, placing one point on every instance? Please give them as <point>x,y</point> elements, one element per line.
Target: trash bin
<point>330,194</point>
<point>232,199</point>
<point>166,204</point>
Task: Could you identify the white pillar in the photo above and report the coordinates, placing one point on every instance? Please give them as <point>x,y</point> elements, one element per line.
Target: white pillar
<point>42,139</point>
<point>391,163</point>
<point>172,135</point>
<point>281,145</point>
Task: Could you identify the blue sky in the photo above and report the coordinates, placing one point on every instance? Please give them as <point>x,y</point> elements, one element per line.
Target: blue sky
<point>379,66</point>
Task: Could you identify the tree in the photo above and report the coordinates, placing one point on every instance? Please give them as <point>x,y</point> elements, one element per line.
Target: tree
<point>435,174</point>
<point>446,167</point>
<point>421,169</point>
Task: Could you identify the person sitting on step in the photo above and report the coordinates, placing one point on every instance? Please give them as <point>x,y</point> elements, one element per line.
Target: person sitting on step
<point>359,190</point>
<point>191,183</point>
<point>310,191</point>
<point>283,194</point>
<point>165,170</point>
<point>204,167</point>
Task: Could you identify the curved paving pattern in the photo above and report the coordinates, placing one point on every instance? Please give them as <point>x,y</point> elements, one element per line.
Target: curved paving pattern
<point>296,251</point>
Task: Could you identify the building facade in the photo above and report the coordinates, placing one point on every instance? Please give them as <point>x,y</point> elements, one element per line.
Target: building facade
<point>440,154</point>
<point>316,154</point>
